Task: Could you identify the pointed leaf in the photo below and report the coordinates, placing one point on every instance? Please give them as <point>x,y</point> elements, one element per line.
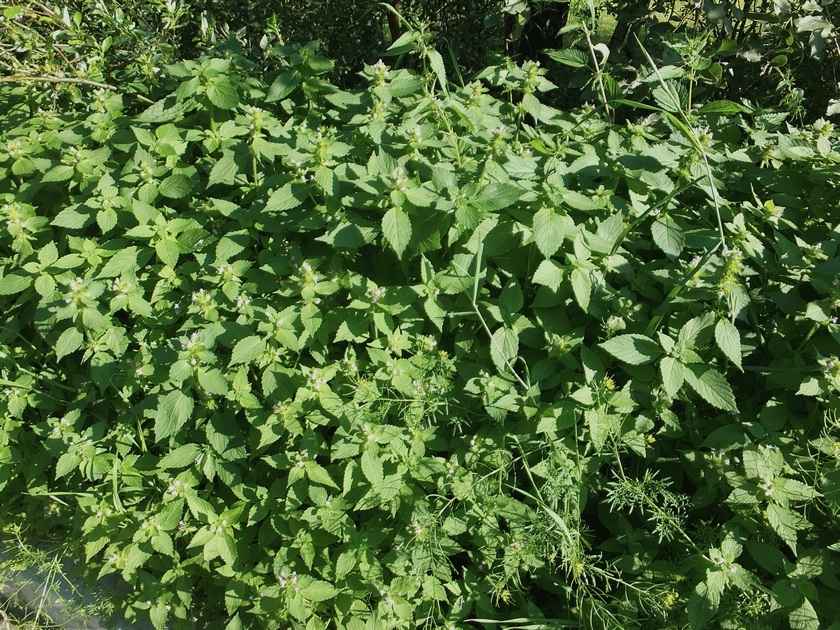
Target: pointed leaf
<point>668,235</point>
<point>549,231</point>
<point>396,228</point>
<point>632,348</point>
<point>504,347</point>
<point>711,386</point>
<point>548,274</point>
<point>247,350</point>
<point>224,171</point>
<point>288,197</point>
<point>175,186</point>
<point>69,341</point>
<point>14,283</point>
<point>729,341</point>
<point>673,375</point>
<point>582,287</point>
<point>173,412</point>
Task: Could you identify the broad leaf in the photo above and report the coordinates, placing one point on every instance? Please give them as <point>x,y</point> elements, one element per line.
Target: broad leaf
<point>632,348</point>
<point>711,386</point>
<point>549,231</point>
<point>396,228</point>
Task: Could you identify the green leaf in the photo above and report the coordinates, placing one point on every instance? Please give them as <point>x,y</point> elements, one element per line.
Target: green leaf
<point>69,341</point>
<point>168,251</point>
<point>224,171</point>
<point>123,261</point>
<point>67,463</point>
<point>702,605</point>
<point>804,617</point>
<point>14,283</point>
<point>632,348</point>
<point>504,348</point>
<point>71,219</point>
<point>346,562</point>
<point>283,85</point>
<point>396,228</point>
<point>286,198</point>
<point>247,350</point>
<point>437,66</point>
<point>548,274</point>
<point>668,235</point>
<point>582,287</point>
<point>673,375</point>
<point>173,412</point>
<point>372,468</point>
<point>319,474</point>
<point>60,173</point>
<point>497,196</point>
<point>213,381</point>
<point>319,591</point>
<point>222,94</point>
<point>181,457</point>
<point>729,341</point>
<point>785,523</point>
<point>711,386</point>
<point>549,231</point>
<point>175,186</point>
<point>722,106</point>
<point>569,57</point>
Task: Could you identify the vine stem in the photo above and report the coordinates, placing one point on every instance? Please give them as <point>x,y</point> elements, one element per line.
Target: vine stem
<point>45,79</point>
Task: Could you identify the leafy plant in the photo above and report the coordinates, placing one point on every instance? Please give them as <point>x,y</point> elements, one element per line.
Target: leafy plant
<point>280,354</point>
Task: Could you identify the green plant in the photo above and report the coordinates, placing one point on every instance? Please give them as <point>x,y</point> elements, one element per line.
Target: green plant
<point>280,354</point>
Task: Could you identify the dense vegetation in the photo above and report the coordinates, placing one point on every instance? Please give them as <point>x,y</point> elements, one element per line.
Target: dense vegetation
<point>285,346</point>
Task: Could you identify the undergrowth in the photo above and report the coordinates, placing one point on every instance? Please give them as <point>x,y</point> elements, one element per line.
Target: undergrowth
<point>278,354</point>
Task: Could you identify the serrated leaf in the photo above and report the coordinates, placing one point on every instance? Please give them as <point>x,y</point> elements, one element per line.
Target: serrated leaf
<point>247,350</point>
<point>346,562</point>
<point>711,386</point>
<point>168,251</point>
<point>497,196</point>
<point>721,106</point>
<point>213,381</point>
<point>673,375</point>
<point>372,468</point>
<point>396,228</point>
<point>283,85</point>
<point>60,173</point>
<point>804,617</point>
<point>181,457</point>
<point>224,171</point>
<point>582,287</point>
<point>319,474</point>
<point>175,186</point>
<point>437,66</point>
<point>222,94</point>
<point>319,591</point>
<point>173,412</point>
<point>121,262</point>
<point>327,180</point>
<point>504,348</point>
<point>549,231</point>
<point>67,463</point>
<point>14,283</point>
<point>785,523</point>
<point>69,341</point>
<point>632,348</point>
<point>729,341</point>
<point>668,235</point>
<point>569,57</point>
<point>548,274</point>
<point>71,219</point>
<point>286,198</point>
